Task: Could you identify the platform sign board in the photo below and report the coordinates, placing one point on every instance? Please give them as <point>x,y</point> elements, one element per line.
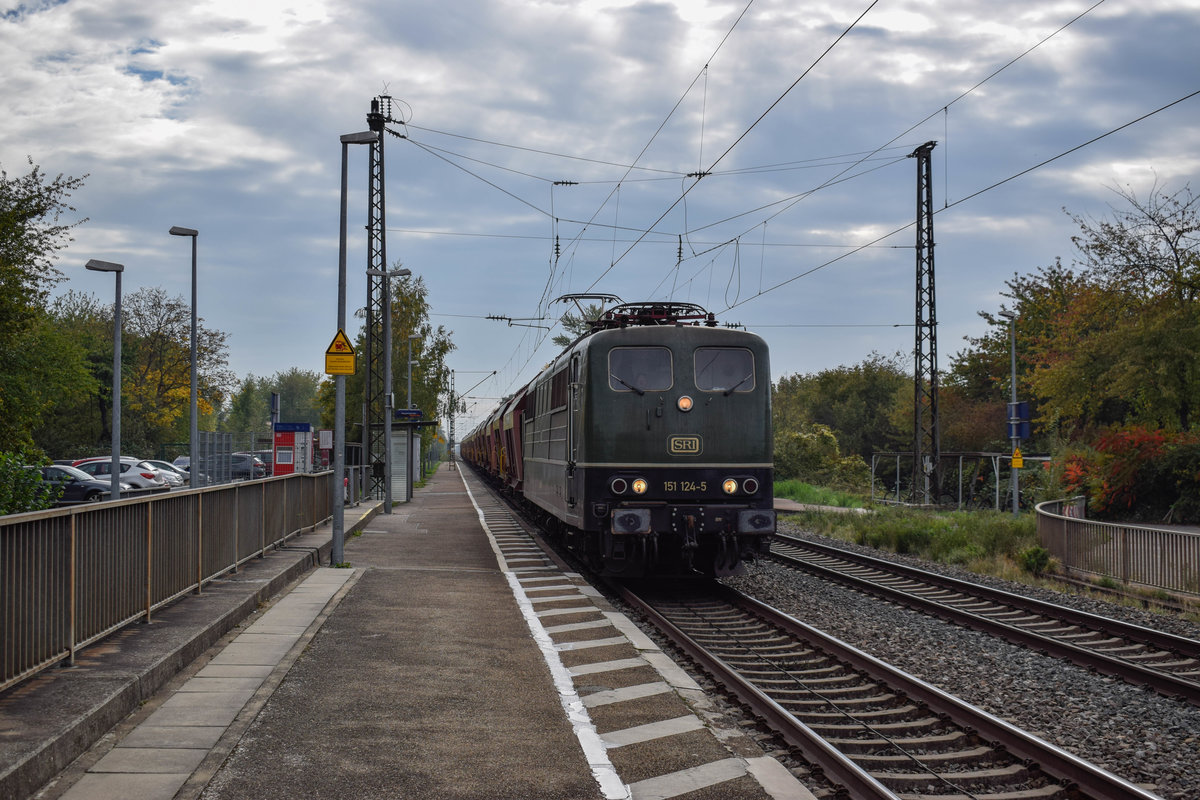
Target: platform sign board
<point>339,356</point>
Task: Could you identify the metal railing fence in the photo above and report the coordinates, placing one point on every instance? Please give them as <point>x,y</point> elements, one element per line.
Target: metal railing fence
<point>1158,557</point>
<point>71,576</point>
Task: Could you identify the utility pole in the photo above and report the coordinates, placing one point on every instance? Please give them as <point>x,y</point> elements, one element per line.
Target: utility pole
<point>926,473</point>
<point>453,408</point>
<point>375,390</point>
<point>1018,416</point>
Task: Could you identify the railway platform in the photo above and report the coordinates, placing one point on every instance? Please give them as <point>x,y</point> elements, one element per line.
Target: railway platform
<point>453,659</point>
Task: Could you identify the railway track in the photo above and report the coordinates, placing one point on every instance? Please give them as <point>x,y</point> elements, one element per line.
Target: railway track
<point>878,732</point>
<point>1160,661</point>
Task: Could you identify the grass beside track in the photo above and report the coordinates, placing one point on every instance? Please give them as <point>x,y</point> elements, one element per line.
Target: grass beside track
<point>983,542</point>
<point>817,495</point>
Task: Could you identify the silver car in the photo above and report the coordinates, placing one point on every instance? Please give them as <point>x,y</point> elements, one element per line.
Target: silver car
<point>134,471</point>
<point>174,475</point>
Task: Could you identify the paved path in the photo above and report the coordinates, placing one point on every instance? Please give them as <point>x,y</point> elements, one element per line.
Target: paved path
<point>170,741</point>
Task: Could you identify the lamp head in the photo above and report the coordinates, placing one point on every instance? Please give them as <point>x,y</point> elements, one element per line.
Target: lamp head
<point>178,231</point>
<point>96,265</point>
<point>365,137</point>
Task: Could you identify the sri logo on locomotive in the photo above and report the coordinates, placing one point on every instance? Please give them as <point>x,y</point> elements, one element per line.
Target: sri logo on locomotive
<point>685,445</point>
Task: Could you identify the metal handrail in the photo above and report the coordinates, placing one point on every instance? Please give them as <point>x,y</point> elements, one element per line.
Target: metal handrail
<point>71,576</point>
<point>1156,556</point>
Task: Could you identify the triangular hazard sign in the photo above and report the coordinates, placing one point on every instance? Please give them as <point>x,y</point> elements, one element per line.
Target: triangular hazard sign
<point>340,346</point>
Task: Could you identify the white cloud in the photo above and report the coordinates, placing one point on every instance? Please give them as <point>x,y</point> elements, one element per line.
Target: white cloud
<point>224,116</point>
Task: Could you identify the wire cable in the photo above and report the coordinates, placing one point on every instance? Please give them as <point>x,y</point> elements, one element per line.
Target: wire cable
<point>744,134</point>
<point>995,185</point>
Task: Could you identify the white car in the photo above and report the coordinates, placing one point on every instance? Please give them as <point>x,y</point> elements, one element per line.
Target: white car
<point>174,475</point>
<point>134,471</point>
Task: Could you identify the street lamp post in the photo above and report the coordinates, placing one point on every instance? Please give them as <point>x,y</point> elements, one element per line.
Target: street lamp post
<point>409,467</point>
<point>389,402</point>
<point>1013,422</point>
<point>194,429</point>
<point>337,553</point>
<point>116,269</point>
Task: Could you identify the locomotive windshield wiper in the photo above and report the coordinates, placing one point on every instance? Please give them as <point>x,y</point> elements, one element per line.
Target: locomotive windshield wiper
<point>613,375</point>
<point>733,388</point>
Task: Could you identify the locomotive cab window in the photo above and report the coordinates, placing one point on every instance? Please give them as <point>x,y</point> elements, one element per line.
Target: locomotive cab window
<point>724,369</point>
<point>639,369</point>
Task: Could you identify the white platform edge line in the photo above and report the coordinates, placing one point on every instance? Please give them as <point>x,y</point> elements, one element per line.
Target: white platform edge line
<point>594,750</point>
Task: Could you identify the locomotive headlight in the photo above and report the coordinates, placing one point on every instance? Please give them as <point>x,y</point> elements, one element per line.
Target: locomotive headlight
<point>730,486</point>
<point>619,486</point>
<point>750,485</point>
<point>640,486</point>
<point>684,403</point>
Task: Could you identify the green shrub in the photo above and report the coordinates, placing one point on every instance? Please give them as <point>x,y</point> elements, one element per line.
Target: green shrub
<point>954,545</point>
<point>22,489</point>
<point>812,454</point>
<point>1034,560</point>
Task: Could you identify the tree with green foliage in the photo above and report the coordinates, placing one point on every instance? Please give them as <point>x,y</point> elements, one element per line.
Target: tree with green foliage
<point>811,454</point>
<point>1148,254</point>
<point>1113,340</point>
<point>853,402</point>
<point>430,374</point>
<point>38,363</point>
<point>156,368</point>
<point>575,325</point>
<point>249,407</point>
<point>22,489</point>
<point>155,373</point>
<point>299,395</point>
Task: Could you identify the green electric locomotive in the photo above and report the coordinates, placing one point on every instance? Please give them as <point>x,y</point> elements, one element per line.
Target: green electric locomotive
<point>646,444</point>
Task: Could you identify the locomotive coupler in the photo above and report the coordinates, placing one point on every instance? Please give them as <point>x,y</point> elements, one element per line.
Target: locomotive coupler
<point>689,535</point>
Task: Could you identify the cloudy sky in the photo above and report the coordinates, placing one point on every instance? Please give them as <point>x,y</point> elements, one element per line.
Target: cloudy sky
<point>554,147</point>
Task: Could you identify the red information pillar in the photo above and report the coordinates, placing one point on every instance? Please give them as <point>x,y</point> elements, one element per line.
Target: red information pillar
<point>293,443</point>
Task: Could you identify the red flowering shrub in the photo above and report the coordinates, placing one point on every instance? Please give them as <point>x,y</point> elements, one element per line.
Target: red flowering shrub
<point>1135,474</point>
<point>1124,475</point>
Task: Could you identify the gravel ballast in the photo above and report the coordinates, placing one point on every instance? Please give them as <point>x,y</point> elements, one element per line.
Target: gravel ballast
<point>1146,739</point>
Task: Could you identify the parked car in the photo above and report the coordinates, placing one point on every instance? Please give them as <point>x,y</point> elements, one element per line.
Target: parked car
<point>174,475</point>
<point>134,471</point>
<point>75,485</point>
<point>246,466</point>
<point>267,457</point>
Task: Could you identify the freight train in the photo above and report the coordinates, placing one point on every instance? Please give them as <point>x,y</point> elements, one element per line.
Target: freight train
<point>646,444</point>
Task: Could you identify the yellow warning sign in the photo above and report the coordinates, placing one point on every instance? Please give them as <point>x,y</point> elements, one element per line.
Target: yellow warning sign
<point>1018,460</point>
<point>339,356</point>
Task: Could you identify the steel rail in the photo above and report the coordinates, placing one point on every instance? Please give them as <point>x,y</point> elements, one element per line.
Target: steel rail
<point>836,765</point>
<point>1075,773</point>
<point>1093,781</point>
<point>1157,680</point>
